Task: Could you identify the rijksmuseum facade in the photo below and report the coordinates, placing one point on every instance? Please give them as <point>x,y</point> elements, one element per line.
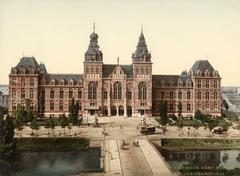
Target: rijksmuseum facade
<point>114,89</point>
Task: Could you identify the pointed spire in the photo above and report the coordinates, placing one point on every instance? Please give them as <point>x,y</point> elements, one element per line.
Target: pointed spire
<point>93,27</point>
<point>118,60</point>
<point>141,28</point>
<point>141,54</point>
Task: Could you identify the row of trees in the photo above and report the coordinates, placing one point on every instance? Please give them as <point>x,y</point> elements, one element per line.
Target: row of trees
<point>24,116</point>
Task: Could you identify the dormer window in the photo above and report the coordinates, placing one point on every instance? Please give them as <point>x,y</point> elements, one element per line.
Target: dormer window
<point>199,73</point>
<point>207,73</point>
<point>180,83</point>
<point>215,73</point>
<point>70,82</point>
<point>189,83</point>
<point>62,82</point>
<point>23,71</point>
<point>53,82</point>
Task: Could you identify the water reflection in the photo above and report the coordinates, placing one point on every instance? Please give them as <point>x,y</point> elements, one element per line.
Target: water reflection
<point>56,163</point>
<point>227,159</point>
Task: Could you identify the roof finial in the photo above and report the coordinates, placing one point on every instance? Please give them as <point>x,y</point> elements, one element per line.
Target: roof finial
<point>141,28</point>
<point>93,27</point>
<point>118,60</point>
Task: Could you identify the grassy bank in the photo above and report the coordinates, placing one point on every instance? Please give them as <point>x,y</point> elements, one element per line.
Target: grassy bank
<point>50,144</point>
<point>201,143</point>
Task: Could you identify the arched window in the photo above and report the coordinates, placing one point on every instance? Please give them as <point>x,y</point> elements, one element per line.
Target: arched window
<point>117,88</point>
<point>92,90</point>
<point>142,91</point>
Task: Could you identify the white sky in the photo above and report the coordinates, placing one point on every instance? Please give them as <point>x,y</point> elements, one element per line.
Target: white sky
<point>177,32</point>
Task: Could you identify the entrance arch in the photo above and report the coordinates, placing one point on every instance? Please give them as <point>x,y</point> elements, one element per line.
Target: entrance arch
<point>113,111</point>
<point>105,111</point>
<point>129,111</point>
<point>120,110</point>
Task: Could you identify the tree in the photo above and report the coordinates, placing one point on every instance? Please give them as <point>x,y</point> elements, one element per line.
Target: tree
<point>179,109</point>
<point>199,116</point>
<point>163,112</point>
<point>73,112</point>
<point>3,110</point>
<point>30,117</point>
<point>63,121</point>
<point>8,131</point>
<point>21,113</point>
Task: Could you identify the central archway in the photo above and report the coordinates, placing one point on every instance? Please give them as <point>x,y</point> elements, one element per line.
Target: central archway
<point>113,111</point>
<point>105,111</point>
<point>120,110</point>
<point>129,111</point>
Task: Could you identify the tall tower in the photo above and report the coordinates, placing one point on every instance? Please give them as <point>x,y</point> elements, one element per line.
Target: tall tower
<point>93,65</point>
<point>142,73</point>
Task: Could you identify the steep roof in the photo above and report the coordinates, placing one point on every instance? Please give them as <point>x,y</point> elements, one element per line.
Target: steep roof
<point>141,52</point>
<point>165,78</point>
<point>108,69</point>
<point>27,63</point>
<point>202,65</point>
<point>66,77</point>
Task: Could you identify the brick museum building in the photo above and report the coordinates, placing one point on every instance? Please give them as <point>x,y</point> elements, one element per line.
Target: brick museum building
<point>115,89</point>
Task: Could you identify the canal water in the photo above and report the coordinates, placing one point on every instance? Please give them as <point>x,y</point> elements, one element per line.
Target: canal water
<point>59,163</point>
<point>227,159</point>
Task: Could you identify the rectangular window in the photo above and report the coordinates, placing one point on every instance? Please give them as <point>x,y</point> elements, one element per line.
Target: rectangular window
<point>207,84</point>
<point>162,95</point>
<point>22,93</point>
<point>52,94</point>
<point>188,107</point>
<point>61,94</point>
<point>171,106</point>
<point>31,82</point>
<point>215,95</point>
<point>199,95</point>
<point>31,93</point>
<point>188,95</point>
<point>14,94</point>
<point>207,95</point>
<point>171,95</point>
<point>70,94</point>
<point>179,95</point>
<point>51,106</point>
<point>22,82</point>
<point>14,106</point>
<point>79,94</point>
<point>61,106</point>
<point>215,84</point>
<point>14,81</point>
